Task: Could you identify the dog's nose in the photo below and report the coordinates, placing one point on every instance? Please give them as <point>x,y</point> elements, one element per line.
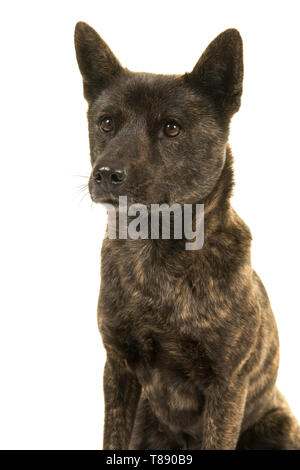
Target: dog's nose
<point>105,174</point>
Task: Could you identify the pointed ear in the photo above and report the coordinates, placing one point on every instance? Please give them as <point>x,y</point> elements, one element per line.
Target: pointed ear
<point>97,63</point>
<point>219,71</point>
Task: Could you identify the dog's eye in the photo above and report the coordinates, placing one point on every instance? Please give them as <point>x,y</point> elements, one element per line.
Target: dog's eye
<point>171,129</point>
<point>107,124</point>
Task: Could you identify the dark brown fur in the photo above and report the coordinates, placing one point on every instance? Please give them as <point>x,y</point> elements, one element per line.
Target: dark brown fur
<point>191,341</point>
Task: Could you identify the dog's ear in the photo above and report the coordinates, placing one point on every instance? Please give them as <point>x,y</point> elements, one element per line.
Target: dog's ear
<point>219,71</point>
<point>97,63</point>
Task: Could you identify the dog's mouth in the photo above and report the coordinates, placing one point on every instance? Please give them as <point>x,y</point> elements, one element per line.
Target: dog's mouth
<point>119,195</point>
<point>105,199</point>
<point>116,196</point>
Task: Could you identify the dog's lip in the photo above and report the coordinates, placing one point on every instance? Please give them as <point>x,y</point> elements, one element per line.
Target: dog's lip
<point>104,198</point>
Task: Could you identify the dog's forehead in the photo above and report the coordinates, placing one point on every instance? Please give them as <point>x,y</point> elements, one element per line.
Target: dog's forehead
<point>149,93</point>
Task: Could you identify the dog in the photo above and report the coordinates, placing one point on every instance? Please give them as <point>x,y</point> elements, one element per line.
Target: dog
<point>191,341</point>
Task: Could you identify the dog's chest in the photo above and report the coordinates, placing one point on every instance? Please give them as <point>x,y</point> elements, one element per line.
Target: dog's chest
<point>156,334</point>
<point>156,325</point>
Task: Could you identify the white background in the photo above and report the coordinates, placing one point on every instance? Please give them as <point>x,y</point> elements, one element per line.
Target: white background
<point>50,350</point>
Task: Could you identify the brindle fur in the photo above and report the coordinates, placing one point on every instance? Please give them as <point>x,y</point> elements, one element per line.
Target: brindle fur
<point>191,341</point>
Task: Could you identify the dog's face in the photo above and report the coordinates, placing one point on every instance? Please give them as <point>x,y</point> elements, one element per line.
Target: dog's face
<point>158,138</point>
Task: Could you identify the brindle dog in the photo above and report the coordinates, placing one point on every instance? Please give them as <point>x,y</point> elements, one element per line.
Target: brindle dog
<point>191,340</point>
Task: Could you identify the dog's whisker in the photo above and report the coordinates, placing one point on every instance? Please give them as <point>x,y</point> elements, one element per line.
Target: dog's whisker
<point>81,188</point>
<point>80,176</point>
<point>82,198</point>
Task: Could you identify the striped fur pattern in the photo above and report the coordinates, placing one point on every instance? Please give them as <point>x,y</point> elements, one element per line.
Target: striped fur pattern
<point>191,340</point>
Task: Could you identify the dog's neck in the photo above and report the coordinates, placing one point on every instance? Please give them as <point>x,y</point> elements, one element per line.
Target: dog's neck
<point>217,208</point>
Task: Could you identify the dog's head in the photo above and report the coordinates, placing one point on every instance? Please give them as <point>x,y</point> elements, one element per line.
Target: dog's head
<point>158,138</point>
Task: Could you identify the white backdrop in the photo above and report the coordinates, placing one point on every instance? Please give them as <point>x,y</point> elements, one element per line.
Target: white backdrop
<point>51,355</point>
